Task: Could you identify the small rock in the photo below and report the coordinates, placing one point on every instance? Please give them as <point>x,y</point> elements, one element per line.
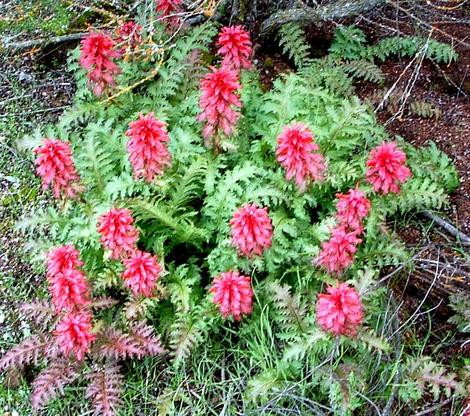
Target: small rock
<point>23,76</point>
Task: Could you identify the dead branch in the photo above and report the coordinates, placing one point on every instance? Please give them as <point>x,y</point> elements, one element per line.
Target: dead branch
<point>40,43</point>
<point>451,229</point>
<point>304,15</point>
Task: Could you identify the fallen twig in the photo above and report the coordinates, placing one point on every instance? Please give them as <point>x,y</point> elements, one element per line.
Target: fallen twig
<point>35,43</point>
<point>451,229</point>
<point>339,9</point>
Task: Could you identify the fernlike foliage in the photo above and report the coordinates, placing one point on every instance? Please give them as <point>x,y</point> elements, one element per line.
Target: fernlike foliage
<point>202,201</point>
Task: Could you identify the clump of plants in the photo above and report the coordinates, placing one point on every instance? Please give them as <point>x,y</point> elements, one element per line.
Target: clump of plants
<point>189,200</point>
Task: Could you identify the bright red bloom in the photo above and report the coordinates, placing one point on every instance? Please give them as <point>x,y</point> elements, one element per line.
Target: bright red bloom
<point>387,168</point>
<point>298,155</point>
<point>74,334</point>
<point>141,273</point>
<point>340,311</point>
<point>148,147</point>
<point>352,208</point>
<point>337,254</point>
<point>167,9</point>
<point>219,94</point>
<point>235,47</point>
<point>129,34</point>
<point>252,230</point>
<point>61,259</point>
<point>69,290</point>
<point>117,232</point>
<point>55,166</point>
<point>233,293</point>
<point>97,54</point>
<point>67,284</point>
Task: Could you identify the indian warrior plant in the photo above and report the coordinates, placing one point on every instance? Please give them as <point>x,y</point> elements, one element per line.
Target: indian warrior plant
<point>196,197</point>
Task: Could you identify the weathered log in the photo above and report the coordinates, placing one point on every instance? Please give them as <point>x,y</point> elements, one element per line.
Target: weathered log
<point>40,43</point>
<point>451,229</point>
<point>304,15</point>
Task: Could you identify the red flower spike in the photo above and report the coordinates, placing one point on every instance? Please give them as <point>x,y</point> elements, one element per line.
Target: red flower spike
<point>252,230</point>
<point>117,232</point>
<point>148,147</point>
<point>219,95</point>
<point>233,294</point>
<point>352,208</point>
<point>386,168</point>
<point>298,155</point>
<point>167,8</point>
<point>141,273</point>
<point>340,311</point>
<point>55,166</point>
<point>74,334</point>
<point>61,259</point>
<point>235,47</point>
<point>68,285</point>
<point>337,254</point>
<point>129,34</point>
<point>96,55</point>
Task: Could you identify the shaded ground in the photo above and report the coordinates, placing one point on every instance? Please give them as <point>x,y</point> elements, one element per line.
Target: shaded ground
<point>32,94</point>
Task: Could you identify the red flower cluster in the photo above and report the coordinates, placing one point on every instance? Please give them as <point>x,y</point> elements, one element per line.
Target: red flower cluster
<point>55,166</point>
<point>67,283</point>
<point>70,293</point>
<point>167,9</point>
<point>97,54</point>
<point>233,293</point>
<point>252,230</point>
<point>340,311</point>
<point>148,147</point>
<point>352,208</point>
<point>129,35</point>
<point>219,94</point>
<point>235,47</point>
<point>74,334</point>
<point>387,168</point>
<point>337,254</point>
<point>298,155</point>
<point>117,232</point>
<point>142,273</point>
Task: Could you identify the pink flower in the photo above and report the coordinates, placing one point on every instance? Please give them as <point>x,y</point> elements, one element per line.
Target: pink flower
<point>167,9</point>
<point>61,259</point>
<point>117,232</point>
<point>337,254</point>
<point>69,290</point>
<point>67,284</point>
<point>74,334</point>
<point>55,166</point>
<point>340,311</point>
<point>97,54</point>
<point>141,273</point>
<point>219,94</point>
<point>252,230</point>
<point>235,47</point>
<point>298,155</point>
<point>352,208</point>
<point>129,34</point>
<point>386,168</point>
<point>233,293</point>
<point>147,147</point>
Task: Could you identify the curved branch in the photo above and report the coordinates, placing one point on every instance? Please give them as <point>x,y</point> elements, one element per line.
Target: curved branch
<point>40,43</point>
<point>338,9</point>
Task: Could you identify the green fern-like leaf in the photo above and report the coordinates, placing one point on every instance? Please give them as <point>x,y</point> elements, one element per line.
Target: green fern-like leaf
<point>163,220</point>
<point>365,70</point>
<point>290,311</point>
<point>348,43</point>
<point>292,40</point>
